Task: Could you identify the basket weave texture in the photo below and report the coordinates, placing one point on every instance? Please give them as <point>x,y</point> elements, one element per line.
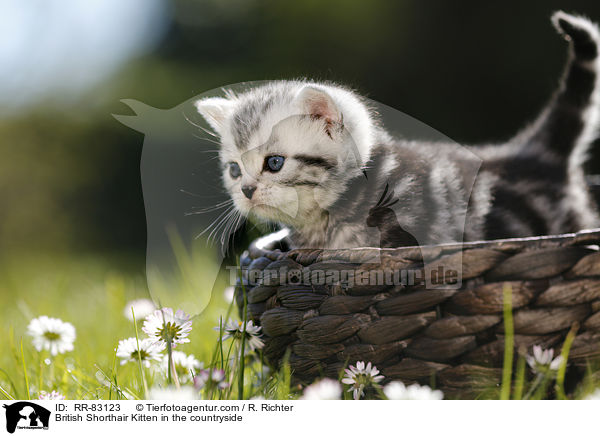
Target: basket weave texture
<point>447,333</point>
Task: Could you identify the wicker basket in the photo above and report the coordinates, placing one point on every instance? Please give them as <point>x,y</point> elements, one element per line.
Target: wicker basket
<point>447,333</point>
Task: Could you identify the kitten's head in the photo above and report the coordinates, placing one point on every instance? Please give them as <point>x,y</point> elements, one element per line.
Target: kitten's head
<point>288,149</point>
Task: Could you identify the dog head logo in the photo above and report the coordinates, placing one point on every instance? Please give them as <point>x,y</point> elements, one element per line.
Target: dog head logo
<point>194,205</point>
<point>26,415</point>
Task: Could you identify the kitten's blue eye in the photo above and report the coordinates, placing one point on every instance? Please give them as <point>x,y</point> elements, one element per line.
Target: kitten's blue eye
<point>234,170</point>
<point>274,163</point>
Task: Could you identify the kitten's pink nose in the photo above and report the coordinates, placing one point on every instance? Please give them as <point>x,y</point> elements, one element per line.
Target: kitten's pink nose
<point>248,190</point>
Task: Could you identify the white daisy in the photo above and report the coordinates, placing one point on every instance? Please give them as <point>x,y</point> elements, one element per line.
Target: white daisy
<point>51,334</point>
<point>171,393</point>
<point>542,362</point>
<point>185,366</point>
<point>361,377</point>
<point>150,349</point>
<point>164,325</point>
<point>325,389</point>
<point>235,330</point>
<point>54,395</point>
<point>398,391</point>
<point>141,308</point>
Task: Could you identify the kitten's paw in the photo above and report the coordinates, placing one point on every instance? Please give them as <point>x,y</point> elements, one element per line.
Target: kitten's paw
<point>581,31</point>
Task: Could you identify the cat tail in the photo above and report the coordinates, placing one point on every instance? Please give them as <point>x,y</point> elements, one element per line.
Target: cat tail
<point>570,123</point>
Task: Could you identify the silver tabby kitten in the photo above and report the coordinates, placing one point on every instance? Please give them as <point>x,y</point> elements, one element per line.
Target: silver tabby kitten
<point>312,157</point>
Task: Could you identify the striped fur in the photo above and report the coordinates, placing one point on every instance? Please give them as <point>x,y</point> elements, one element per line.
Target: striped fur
<point>347,183</point>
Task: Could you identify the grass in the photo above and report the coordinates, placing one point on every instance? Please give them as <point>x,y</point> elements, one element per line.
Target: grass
<point>509,344</point>
<point>91,293</point>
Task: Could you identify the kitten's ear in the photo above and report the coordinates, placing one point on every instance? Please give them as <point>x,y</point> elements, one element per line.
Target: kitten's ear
<point>215,111</point>
<point>318,103</point>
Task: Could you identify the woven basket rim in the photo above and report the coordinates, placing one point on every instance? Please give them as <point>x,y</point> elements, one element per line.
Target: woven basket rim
<point>582,237</point>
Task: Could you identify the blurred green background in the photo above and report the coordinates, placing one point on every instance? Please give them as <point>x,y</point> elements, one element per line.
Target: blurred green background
<point>69,172</point>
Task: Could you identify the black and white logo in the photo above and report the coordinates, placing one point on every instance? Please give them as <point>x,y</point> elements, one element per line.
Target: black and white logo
<point>26,415</point>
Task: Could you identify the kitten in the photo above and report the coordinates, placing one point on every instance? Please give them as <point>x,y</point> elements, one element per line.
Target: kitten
<point>313,157</point>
